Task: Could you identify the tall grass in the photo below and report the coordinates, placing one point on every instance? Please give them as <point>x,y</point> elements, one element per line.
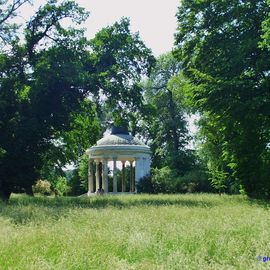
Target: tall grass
<point>134,232</point>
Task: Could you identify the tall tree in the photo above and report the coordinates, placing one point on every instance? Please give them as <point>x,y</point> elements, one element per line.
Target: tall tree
<point>40,87</point>
<point>212,149</point>
<point>49,84</point>
<point>229,79</point>
<point>166,125</point>
<point>118,61</point>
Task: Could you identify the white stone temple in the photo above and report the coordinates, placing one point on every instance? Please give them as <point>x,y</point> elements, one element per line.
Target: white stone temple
<point>118,146</point>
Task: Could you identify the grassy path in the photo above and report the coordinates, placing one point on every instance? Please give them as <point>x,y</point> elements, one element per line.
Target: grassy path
<point>134,232</point>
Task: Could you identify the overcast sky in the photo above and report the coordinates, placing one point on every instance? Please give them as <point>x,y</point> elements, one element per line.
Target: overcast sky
<point>154,19</point>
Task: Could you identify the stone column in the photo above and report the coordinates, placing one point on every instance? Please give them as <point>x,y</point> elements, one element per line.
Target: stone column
<point>90,177</point>
<point>131,176</point>
<point>123,176</point>
<point>97,176</point>
<point>105,176</point>
<point>137,170</point>
<point>114,176</point>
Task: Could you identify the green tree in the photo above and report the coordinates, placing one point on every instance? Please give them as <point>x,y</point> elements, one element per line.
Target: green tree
<point>69,148</point>
<point>218,43</point>
<point>54,90</point>
<point>83,172</point>
<point>266,31</point>
<point>40,87</point>
<point>117,64</point>
<point>61,187</point>
<point>212,150</point>
<point>165,126</point>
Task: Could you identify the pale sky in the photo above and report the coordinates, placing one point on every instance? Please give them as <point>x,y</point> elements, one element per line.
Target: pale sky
<point>154,19</point>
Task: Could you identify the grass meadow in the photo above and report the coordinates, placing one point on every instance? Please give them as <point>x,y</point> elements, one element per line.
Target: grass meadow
<point>135,232</point>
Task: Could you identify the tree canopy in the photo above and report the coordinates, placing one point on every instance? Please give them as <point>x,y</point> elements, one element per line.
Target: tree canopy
<point>54,86</point>
<point>223,48</point>
<point>59,91</point>
<point>165,123</point>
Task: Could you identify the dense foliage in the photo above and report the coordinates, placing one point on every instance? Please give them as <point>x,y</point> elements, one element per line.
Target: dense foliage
<point>59,91</point>
<point>166,180</point>
<point>54,88</point>
<point>35,110</point>
<point>164,125</point>
<point>223,46</point>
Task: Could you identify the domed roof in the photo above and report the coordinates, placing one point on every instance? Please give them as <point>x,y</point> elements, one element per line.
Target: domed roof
<point>119,143</point>
<point>119,139</point>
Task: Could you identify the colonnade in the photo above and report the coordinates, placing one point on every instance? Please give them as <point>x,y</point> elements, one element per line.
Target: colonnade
<point>101,176</point>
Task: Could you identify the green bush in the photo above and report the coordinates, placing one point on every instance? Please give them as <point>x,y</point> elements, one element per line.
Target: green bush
<point>62,186</point>
<point>196,180</point>
<point>165,180</point>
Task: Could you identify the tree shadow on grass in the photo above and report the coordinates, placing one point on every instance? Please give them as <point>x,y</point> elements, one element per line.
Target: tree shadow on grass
<point>97,202</point>
<point>21,210</point>
<point>264,203</point>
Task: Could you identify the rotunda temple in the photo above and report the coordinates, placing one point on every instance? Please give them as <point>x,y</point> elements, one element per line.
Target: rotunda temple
<point>117,147</point>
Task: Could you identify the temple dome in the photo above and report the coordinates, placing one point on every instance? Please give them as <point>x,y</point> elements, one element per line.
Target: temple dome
<point>119,139</point>
<point>120,143</point>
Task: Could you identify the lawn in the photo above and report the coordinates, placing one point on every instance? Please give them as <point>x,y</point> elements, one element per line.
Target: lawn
<point>135,232</point>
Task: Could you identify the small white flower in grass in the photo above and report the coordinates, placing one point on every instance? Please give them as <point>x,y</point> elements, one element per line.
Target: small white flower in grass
<point>139,240</point>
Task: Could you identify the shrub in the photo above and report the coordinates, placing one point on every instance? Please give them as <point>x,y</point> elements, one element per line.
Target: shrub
<point>160,181</point>
<point>43,187</point>
<point>62,186</point>
<point>196,180</point>
<point>145,185</point>
<point>165,180</point>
